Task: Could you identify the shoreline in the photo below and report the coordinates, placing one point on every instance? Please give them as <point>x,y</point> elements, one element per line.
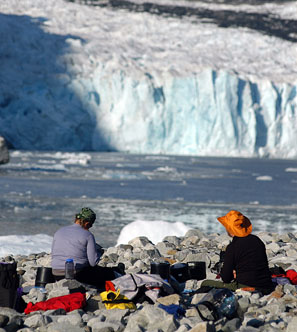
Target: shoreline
<point>273,312</point>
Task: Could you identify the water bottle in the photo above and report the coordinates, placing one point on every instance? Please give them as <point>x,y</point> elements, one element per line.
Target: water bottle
<point>69,268</point>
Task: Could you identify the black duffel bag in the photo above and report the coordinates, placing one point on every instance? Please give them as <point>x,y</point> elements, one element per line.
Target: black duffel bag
<point>9,283</point>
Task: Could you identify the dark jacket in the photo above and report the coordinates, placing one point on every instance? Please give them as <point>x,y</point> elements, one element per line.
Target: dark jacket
<point>247,256</point>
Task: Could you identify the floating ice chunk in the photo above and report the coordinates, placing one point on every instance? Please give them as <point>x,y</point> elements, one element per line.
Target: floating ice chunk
<point>291,169</point>
<point>264,178</point>
<point>155,231</point>
<point>166,169</point>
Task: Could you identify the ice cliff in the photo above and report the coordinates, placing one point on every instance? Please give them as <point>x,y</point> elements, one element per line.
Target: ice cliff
<point>210,113</point>
<point>65,85</point>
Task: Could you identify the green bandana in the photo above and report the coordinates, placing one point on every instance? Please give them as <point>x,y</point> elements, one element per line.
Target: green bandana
<point>86,214</point>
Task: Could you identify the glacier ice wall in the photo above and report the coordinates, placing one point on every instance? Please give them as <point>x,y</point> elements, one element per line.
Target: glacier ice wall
<point>62,88</point>
<point>212,113</point>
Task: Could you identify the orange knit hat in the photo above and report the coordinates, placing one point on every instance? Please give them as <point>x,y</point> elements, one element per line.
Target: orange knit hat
<point>236,223</point>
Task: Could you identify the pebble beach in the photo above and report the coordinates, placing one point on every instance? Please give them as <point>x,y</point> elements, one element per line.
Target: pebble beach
<point>256,312</point>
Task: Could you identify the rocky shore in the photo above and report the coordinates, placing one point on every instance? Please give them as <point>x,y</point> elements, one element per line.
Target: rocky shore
<point>274,312</point>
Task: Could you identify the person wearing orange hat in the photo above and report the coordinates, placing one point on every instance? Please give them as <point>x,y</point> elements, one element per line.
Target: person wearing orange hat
<point>245,261</point>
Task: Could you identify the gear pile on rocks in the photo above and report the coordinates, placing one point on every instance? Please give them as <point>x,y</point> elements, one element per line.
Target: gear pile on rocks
<point>274,312</point>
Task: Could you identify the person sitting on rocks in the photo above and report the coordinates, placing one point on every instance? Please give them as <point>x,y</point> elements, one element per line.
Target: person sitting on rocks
<point>77,242</point>
<point>245,260</point>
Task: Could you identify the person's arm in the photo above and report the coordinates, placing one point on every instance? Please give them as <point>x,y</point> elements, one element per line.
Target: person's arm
<point>93,255</point>
<point>99,249</point>
<point>226,273</point>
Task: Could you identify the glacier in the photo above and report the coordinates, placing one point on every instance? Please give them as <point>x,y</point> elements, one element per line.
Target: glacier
<point>67,86</point>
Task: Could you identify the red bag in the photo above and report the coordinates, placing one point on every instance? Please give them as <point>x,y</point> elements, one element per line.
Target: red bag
<point>292,276</point>
<point>67,302</point>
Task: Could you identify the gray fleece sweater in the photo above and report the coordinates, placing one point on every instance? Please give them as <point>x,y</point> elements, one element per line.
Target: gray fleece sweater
<point>74,242</point>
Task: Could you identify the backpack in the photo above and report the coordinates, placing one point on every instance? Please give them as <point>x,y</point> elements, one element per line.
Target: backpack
<point>9,283</point>
<point>216,304</point>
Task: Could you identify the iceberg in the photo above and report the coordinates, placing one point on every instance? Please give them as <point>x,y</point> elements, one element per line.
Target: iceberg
<point>74,79</point>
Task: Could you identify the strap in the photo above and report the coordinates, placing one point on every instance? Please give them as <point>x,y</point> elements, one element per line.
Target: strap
<point>134,281</point>
<point>211,308</point>
<point>118,301</point>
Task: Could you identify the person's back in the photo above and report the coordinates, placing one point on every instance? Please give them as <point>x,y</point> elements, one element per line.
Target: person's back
<point>245,260</point>
<point>73,242</point>
<point>77,242</point>
<point>247,255</point>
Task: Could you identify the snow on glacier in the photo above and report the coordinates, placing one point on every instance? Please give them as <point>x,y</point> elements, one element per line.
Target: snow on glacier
<point>78,78</point>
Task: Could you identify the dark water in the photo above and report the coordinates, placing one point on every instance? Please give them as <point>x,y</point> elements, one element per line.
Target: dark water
<point>41,191</point>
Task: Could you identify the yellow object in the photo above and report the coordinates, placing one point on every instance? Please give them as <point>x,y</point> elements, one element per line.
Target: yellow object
<point>236,223</point>
<point>115,300</point>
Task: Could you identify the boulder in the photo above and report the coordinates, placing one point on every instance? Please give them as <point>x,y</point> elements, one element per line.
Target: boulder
<point>4,155</point>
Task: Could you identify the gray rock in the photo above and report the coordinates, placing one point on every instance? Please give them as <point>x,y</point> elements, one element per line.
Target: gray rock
<point>4,154</point>
<point>181,255</point>
<point>288,288</point>
<point>203,327</point>
<point>113,257</point>
<point>56,327</point>
<point>151,253</point>
<point>3,320</point>
<point>35,295</point>
<point>87,316</point>
<point>243,304</point>
<point>71,318</point>
<point>288,238</point>
<point>143,320</point>
<point>249,329</point>
<point>112,315</point>
<point>55,312</point>
<point>37,320</point>
<point>197,298</point>
<point>190,241</point>
<point>170,299</point>
<point>273,246</point>
<point>197,257</point>
<point>58,292</point>
<point>173,239</point>
<point>292,326</point>
<point>124,247</point>
<point>194,232</point>
<point>190,321</point>
<point>15,323</point>
<point>231,325</point>
<point>10,313</point>
<point>139,242</point>
<point>183,328</point>
<point>192,284</point>
<point>165,247</point>
<point>192,312</point>
<point>97,325</point>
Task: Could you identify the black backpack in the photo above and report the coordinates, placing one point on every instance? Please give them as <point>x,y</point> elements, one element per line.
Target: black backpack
<point>9,283</point>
